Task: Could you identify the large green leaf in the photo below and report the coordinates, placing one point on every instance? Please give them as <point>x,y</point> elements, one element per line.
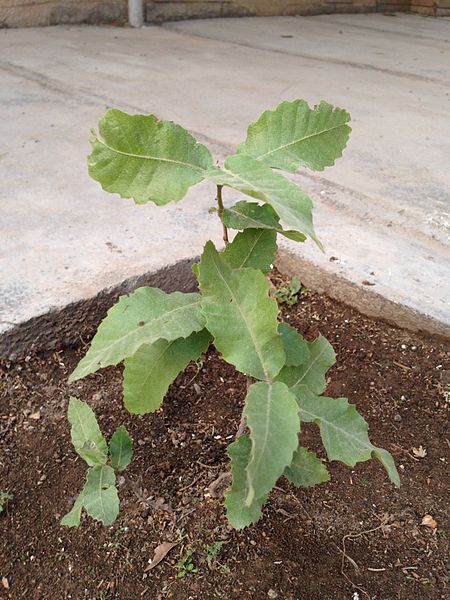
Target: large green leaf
<point>257,180</point>
<point>271,412</point>
<point>295,346</point>
<point>87,439</point>
<point>294,134</point>
<point>251,215</point>
<point>100,495</point>
<point>240,315</point>
<point>239,514</point>
<point>141,157</point>
<point>255,248</point>
<point>143,317</point>
<point>343,430</point>
<point>150,371</point>
<point>312,372</point>
<point>306,469</point>
<point>120,449</point>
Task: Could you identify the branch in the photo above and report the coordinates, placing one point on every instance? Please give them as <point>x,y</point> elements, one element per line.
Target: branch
<point>220,213</point>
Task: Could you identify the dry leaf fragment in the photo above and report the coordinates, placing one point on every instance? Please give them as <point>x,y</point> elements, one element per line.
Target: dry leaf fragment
<point>35,416</point>
<point>161,552</point>
<point>5,583</point>
<point>419,452</point>
<point>428,521</point>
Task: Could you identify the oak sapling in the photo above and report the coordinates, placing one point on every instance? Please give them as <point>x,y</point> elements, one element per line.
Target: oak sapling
<point>157,334</point>
<point>99,496</point>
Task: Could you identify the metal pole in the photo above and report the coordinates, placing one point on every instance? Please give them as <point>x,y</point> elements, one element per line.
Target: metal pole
<point>136,13</point>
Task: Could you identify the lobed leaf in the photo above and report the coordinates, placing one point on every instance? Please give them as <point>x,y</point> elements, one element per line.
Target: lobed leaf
<point>271,412</point>
<point>251,215</point>
<point>120,449</point>
<point>143,317</point>
<point>295,346</point>
<point>238,513</point>
<point>73,517</point>
<point>343,430</point>
<point>240,315</point>
<point>150,371</point>
<point>312,372</point>
<point>306,470</point>
<point>255,248</point>
<point>141,157</point>
<point>87,439</point>
<point>295,135</point>
<point>100,495</point>
<point>257,180</point>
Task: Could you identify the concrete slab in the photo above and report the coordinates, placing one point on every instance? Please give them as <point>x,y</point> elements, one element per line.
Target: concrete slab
<point>382,212</point>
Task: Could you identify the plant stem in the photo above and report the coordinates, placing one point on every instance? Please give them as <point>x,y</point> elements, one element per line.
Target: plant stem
<point>220,213</point>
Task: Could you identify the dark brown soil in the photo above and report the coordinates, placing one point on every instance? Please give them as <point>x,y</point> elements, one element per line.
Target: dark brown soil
<point>396,379</point>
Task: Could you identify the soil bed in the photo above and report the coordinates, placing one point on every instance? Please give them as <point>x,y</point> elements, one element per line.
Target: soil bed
<point>396,379</point>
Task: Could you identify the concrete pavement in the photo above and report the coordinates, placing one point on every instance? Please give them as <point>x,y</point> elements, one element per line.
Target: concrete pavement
<point>382,211</point>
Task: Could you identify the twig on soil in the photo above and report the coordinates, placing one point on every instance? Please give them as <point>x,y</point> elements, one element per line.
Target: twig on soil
<point>208,466</point>
<point>184,516</point>
<point>399,449</point>
<point>401,366</point>
<point>353,536</point>
<point>193,482</point>
<point>349,558</point>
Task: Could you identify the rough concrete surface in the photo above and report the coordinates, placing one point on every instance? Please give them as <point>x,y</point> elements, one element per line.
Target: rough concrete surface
<point>381,212</point>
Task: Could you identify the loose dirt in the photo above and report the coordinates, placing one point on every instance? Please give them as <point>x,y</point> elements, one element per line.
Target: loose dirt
<point>352,538</point>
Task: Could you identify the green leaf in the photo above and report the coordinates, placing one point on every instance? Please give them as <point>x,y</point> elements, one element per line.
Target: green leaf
<point>92,454</point>
<point>149,372</point>
<point>4,500</point>
<point>141,157</point>
<point>120,449</point>
<point>87,439</point>
<point>100,495</point>
<point>240,315</point>
<point>295,135</point>
<point>72,519</point>
<point>343,430</point>
<point>257,180</point>
<point>306,469</point>
<point>388,463</point>
<point>295,346</point>
<point>238,513</point>
<point>312,372</point>
<point>255,248</point>
<point>143,317</point>
<point>251,215</point>
<point>271,411</point>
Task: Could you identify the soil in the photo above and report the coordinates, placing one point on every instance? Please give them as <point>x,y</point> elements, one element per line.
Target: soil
<point>354,537</point>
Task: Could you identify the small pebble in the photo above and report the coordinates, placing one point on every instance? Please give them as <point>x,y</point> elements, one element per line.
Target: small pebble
<point>272,594</point>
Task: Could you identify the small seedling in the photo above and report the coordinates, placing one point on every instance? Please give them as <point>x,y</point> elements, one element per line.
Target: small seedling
<point>185,566</point>
<point>157,335</point>
<point>99,496</point>
<point>287,293</point>
<point>212,557</point>
<point>5,498</point>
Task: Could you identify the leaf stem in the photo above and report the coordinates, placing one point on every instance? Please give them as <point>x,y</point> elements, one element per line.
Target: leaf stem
<point>220,213</point>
